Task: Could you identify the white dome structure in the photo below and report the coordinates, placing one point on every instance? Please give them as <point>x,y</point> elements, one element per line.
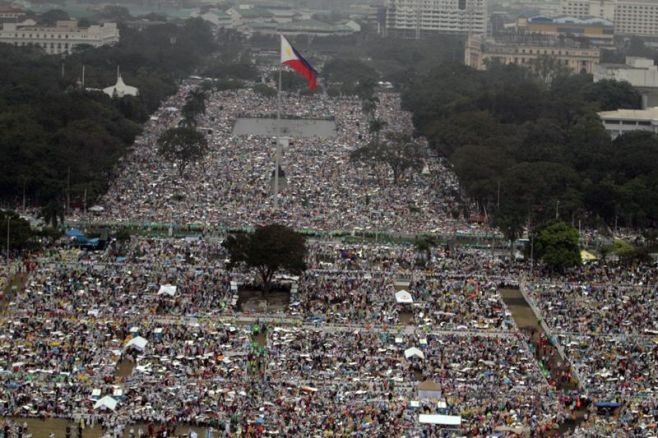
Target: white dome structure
<point>120,89</point>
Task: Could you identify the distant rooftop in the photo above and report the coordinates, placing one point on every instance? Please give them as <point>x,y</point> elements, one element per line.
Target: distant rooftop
<point>570,20</point>
<point>630,114</point>
<point>255,13</point>
<point>534,40</point>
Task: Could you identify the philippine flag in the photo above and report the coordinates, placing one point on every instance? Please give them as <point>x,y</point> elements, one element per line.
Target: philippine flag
<point>291,57</point>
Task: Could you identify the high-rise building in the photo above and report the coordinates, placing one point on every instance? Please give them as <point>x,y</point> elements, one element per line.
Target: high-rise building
<point>416,18</point>
<point>636,17</point>
<point>589,8</point>
<point>631,17</point>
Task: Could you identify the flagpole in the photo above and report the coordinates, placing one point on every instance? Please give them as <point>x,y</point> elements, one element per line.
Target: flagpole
<point>278,142</point>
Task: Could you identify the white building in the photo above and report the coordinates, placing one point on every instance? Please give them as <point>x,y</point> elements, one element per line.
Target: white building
<point>60,39</point>
<point>11,14</point>
<point>416,18</point>
<point>636,17</point>
<point>120,89</point>
<point>631,17</point>
<point>525,49</point>
<point>641,73</point>
<point>622,121</point>
<point>589,8</point>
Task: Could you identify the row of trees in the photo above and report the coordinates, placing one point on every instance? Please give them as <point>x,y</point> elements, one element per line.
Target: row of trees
<point>60,143</point>
<point>528,150</point>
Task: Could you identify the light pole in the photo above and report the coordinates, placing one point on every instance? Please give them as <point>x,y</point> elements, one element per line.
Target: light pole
<point>281,143</point>
<point>557,209</point>
<point>8,222</point>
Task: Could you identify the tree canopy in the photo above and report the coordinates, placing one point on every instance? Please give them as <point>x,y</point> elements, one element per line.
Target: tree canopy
<point>556,244</point>
<point>398,151</point>
<point>523,140</point>
<point>52,128</point>
<point>268,249</point>
<point>21,235</point>
<point>182,146</point>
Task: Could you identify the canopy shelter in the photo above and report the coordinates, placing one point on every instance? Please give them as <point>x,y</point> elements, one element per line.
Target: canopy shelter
<point>443,420</point>
<point>587,256</point>
<point>413,352</point>
<point>403,297</point>
<point>75,233</point>
<point>429,390</point>
<point>167,289</point>
<point>138,342</point>
<point>106,402</point>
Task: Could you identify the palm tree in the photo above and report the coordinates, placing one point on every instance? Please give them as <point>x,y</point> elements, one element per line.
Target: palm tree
<point>52,212</point>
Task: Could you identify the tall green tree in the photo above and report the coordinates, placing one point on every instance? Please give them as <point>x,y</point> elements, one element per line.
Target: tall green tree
<point>21,235</point>
<point>52,212</point>
<point>398,151</point>
<point>268,250</point>
<point>511,219</point>
<point>612,95</point>
<point>52,16</point>
<point>556,243</point>
<point>182,146</point>
<point>195,105</point>
<point>548,68</point>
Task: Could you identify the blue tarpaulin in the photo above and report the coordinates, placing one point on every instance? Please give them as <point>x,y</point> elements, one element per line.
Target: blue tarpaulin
<point>74,232</point>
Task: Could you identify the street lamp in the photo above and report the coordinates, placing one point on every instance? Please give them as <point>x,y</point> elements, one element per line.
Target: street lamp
<point>8,222</point>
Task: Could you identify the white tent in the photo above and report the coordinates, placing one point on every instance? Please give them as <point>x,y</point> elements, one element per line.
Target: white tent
<point>106,402</point>
<point>413,351</point>
<point>429,390</point>
<point>168,289</point>
<point>403,297</point>
<point>445,420</point>
<point>138,342</point>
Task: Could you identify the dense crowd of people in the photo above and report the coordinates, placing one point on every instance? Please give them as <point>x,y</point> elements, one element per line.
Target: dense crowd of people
<point>341,344</point>
<point>602,316</point>
<point>323,189</point>
<point>151,333</point>
<point>74,321</point>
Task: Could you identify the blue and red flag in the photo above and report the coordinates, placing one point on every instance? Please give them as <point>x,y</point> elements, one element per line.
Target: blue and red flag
<point>293,59</point>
